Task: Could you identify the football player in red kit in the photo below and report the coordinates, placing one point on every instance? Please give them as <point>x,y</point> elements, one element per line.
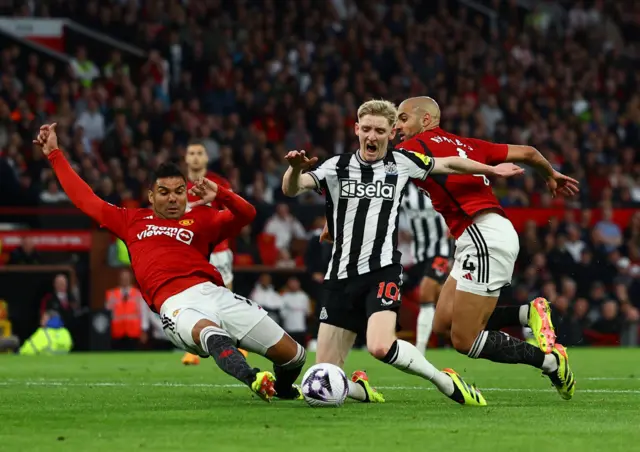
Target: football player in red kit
<point>487,246</point>
<point>169,251</point>
<point>221,256</point>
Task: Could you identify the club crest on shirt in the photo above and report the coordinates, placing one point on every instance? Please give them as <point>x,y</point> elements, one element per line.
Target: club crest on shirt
<point>391,168</point>
<point>187,222</point>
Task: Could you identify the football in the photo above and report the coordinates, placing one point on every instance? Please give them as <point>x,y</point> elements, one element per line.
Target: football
<point>324,385</point>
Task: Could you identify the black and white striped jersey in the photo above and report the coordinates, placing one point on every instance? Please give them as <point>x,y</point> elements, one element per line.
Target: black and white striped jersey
<point>363,203</point>
<point>429,230</point>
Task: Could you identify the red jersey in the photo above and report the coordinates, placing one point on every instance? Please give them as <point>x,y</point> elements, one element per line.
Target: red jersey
<point>458,197</point>
<point>167,256</point>
<point>222,182</point>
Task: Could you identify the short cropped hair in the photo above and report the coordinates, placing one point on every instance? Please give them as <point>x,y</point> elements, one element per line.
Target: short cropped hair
<point>380,107</point>
<point>168,169</point>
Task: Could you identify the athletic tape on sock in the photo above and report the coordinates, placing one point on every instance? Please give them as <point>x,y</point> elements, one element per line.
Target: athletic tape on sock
<point>478,345</point>
<point>298,360</point>
<point>207,332</point>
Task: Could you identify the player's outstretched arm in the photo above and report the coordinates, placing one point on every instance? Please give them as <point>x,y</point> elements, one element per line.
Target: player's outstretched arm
<point>459,165</point>
<point>293,181</point>
<point>556,181</point>
<point>80,194</point>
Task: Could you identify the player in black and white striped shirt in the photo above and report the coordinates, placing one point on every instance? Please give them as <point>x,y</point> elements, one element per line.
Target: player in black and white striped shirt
<point>431,249</point>
<point>362,284</point>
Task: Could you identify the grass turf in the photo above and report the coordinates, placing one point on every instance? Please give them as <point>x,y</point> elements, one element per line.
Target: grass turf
<point>149,401</point>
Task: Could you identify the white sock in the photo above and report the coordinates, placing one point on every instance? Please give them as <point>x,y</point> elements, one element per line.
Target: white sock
<point>524,314</point>
<point>407,358</point>
<point>423,329</point>
<point>550,363</point>
<point>356,391</point>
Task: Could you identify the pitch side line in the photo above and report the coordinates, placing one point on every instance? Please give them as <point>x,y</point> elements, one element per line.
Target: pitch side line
<point>220,386</point>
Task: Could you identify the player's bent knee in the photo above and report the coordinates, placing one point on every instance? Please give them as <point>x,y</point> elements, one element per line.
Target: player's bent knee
<point>287,353</point>
<point>198,329</point>
<point>461,342</point>
<point>291,360</point>
<point>379,350</point>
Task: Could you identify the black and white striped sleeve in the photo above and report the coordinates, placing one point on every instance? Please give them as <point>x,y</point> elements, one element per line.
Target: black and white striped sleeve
<point>320,173</point>
<point>420,165</point>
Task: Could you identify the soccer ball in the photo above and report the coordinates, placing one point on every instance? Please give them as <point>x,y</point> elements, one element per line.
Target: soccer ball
<point>324,385</point>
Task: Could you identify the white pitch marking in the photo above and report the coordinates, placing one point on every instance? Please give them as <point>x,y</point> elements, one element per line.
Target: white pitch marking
<point>59,383</point>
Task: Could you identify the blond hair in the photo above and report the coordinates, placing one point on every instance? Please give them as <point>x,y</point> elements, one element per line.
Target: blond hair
<point>375,107</point>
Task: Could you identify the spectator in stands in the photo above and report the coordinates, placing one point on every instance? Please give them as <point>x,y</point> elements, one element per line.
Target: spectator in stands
<point>245,246</point>
<point>26,253</point>
<point>284,227</point>
<point>61,299</point>
<point>92,122</point>
<point>296,307</point>
<point>574,244</point>
<point>266,296</point>
<point>84,69</point>
<point>53,194</point>
<point>609,320</point>
<point>606,233</point>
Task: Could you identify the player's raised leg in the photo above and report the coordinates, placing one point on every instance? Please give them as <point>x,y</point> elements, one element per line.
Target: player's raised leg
<point>536,315</point>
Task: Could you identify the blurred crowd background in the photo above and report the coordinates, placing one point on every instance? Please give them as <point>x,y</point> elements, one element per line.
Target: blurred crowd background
<point>252,79</point>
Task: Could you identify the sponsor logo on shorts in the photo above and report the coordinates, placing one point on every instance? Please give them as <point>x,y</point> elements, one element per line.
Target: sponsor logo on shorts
<point>175,313</point>
<point>323,314</point>
<point>187,222</point>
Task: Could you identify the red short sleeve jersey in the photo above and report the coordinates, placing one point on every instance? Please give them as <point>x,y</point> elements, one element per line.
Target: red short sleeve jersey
<point>458,197</point>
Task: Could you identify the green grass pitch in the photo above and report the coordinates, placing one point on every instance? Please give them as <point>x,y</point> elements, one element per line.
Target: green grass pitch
<point>149,401</point>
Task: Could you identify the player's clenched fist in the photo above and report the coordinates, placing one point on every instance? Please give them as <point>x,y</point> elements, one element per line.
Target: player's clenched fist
<point>299,160</point>
<point>47,138</point>
<point>205,189</point>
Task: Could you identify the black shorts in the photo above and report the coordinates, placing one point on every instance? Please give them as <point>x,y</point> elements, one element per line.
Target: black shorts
<point>436,268</point>
<point>348,303</point>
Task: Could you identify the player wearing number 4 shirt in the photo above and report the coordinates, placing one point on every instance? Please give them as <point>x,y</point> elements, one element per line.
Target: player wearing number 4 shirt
<point>169,256</point>
<point>362,284</point>
<point>486,248</point>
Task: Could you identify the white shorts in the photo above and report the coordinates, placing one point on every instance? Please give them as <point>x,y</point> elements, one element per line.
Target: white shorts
<point>223,261</point>
<point>485,255</point>
<point>235,314</point>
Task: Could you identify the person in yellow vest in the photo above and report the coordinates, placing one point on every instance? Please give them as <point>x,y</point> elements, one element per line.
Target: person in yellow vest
<point>8,342</point>
<point>129,319</point>
<point>52,338</point>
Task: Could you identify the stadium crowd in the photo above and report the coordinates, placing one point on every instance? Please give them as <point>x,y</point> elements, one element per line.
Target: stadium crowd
<point>253,79</point>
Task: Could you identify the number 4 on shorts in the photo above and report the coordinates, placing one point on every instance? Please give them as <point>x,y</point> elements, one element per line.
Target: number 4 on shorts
<point>467,265</point>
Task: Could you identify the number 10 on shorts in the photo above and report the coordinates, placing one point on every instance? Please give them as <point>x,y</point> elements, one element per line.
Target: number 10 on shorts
<point>389,291</point>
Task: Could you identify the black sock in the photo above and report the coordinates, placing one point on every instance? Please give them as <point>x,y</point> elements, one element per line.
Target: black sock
<point>504,316</point>
<point>286,374</point>
<point>499,347</point>
<point>229,359</point>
